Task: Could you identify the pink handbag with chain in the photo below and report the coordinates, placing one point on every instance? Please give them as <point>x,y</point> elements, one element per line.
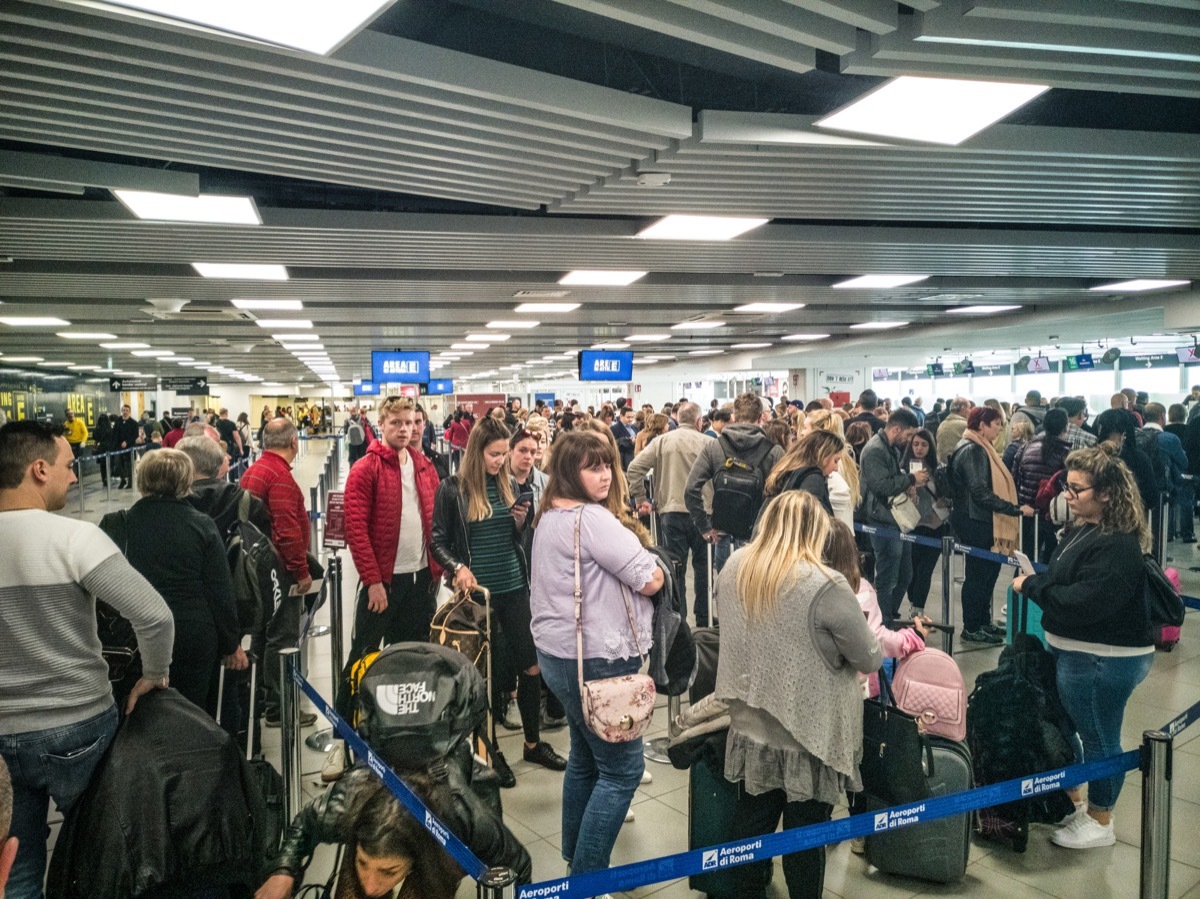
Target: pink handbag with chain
<point>616,709</point>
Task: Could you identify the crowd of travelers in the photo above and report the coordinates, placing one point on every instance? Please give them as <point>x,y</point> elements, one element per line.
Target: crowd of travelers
<point>547,509</point>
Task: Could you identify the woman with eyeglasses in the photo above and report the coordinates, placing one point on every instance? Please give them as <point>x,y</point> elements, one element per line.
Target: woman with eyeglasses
<point>1097,622</point>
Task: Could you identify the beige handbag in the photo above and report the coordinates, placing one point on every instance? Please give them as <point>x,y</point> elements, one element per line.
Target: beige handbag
<point>616,709</point>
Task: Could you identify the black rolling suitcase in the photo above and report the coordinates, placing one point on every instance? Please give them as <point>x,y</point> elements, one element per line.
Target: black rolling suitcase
<point>266,778</point>
<point>936,850</point>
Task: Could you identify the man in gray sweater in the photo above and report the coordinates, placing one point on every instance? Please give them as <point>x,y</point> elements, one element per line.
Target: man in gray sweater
<point>57,714</point>
<point>671,457</point>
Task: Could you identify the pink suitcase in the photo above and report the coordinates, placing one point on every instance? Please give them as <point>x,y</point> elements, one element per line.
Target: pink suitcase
<point>929,686</point>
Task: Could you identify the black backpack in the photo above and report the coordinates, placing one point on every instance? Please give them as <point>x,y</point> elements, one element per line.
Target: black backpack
<point>260,580</point>
<point>738,492</point>
<point>1147,442</point>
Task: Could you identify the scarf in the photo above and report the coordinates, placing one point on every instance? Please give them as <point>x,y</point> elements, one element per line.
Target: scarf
<point>1006,529</point>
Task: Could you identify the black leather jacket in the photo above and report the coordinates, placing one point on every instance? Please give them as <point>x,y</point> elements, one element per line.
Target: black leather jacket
<point>451,541</point>
<point>971,480</point>
<point>322,821</point>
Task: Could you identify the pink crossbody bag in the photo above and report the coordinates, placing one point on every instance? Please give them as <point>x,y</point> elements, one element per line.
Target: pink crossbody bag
<point>616,709</point>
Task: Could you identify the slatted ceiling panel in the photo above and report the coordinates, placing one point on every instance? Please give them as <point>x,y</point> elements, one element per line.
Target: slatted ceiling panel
<point>88,82</point>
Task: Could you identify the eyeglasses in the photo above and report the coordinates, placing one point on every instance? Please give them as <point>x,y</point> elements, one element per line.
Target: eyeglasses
<point>1077,491</point>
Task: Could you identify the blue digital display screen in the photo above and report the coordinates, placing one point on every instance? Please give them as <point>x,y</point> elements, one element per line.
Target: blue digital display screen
<point>366,388</point>
<point>438,388</point>
<point>605,365</point>
<point>395,367</point>
<point>1081,362</point>
<point>547,398</point>
<point>935,370</point>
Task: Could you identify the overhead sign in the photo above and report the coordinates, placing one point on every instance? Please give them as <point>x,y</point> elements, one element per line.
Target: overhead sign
<point>935,370</point>
<point>478,403</point>
<point>395,367</point>
<point>1038,365</point>
<point>1080,362</point>
<point>966,367</point>
<point>131,385</point>
<point>1154,360</point>
<point>1188,355</point>
<point>366,388</point>
<point>186,386</point>
<point>438,388</point>
<point>548,398</point>
<point>605,365</point>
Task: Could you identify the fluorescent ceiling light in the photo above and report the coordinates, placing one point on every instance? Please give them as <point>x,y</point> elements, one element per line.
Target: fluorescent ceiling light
<point>601,278</point>
<point>647,338</point>
<point>936,110</point>
<point>55,364</point>
<point>295,338</point>
<point>457,354</point>
<point>803,336</point>
<point>877,326</point>
<point>616,345</point>
<point>699,227</point>
<point>285,323</point>
<point>125,346</point>
<point>241,270</point>
<point>980,310</point>
<point>469,346</point>
<point>515,324</point>
<point>698,325</point>
<point>706,352</point>
<point>22,358</point>
<point>270,305</point>
<point>85,335</point>
<point>867,281</point>
<point>32,321</point>
<point>272,384</point>
<point>488,338</point>
<point>152,354</point>
<point>204,208</point>
<point>179,360</point>
<point>749,346</point>
<point>769,307</point>
<point>84,368</point>
<point>547,307</point>
<point>1133,286</point>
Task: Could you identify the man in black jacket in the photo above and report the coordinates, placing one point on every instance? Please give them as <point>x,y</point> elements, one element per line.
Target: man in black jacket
<point>126,435</point>
<point>1041,458</point>
<point>624,433</point>
<point>868,401</point>
<point>212,494</point>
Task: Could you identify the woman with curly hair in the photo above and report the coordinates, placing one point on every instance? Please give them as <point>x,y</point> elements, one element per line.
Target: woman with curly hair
<point>1097,622</point>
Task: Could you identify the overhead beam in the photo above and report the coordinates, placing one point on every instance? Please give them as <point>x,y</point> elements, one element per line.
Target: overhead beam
<point>46,169</point>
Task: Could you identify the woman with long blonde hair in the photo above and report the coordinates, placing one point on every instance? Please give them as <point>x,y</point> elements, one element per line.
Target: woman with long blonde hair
<point>788,620</point>
<point>844,483</point>
<point>655,425</point>
<point>1097,621</point>
<point>807,465</point>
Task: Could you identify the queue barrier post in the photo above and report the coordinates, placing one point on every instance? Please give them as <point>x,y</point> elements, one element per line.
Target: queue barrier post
<point>323,740</point>
<point>1156,763</point>
<point>656,750</point>
<point>289,711</point>
<point>79,481</point>
<point>108,476</point>
<point>497,883</point>
<point>948,594</point>
<point>653,514</point>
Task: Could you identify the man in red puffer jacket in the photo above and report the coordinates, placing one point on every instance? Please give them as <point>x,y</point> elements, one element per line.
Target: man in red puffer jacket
<point>389,519</point>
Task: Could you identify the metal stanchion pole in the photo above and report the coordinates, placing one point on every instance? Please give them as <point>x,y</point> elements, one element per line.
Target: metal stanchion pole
<point>948,594</point>
<point>1157,748</point>
<point>1160,536</point>
<point>108,470</point>
<point>322,740</point>
<point>497,883</point>
<point>653,513</point>
<point>656,750</point>
<point>289,712</point>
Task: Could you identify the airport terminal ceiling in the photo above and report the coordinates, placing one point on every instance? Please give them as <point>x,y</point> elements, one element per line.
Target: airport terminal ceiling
<point>451,161</point>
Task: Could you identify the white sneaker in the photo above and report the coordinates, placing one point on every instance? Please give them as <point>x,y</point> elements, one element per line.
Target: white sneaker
<point>629,816</point>
<point>1080,809</point>
<point>335,763</point>
<point>1085,832</point>
<point>647,777</point>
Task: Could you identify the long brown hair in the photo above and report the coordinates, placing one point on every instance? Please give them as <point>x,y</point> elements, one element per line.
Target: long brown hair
<point>472,474</point>
<point>814,449</point>
<point>841,553</point>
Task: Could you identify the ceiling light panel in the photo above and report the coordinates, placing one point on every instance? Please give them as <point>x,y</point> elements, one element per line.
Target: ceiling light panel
<point>877,326</point>
<point>769,308</point>
<point>487,338</point>
<point>241,270</point>
<point>269,305</point>
<point>295,338</point>
<point>210,208</point>
<point>85,335</point>
<point>283,324</point>
<point>878,281</point>
<point>699,227</point>
<point>713,352</point>
<point>749,346</point>
<point>647,338</point>
<point>704,325</point>
<point>807,336</point>
<point>470,345</point>
<point>125,346</point>
<point>23,359</point>
<point>516,324</point>
<point>547,307</point>
<point>55,364</point>
<point>617,345</point>
<point>934,110</point>
<point>588,277</point>
<point>1138,284</point>
<point>153,354</point>
<point>33,321</point>
<point>980,310</point>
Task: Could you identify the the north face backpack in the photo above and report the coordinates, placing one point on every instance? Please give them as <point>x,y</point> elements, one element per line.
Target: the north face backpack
<point>355,434</point>
<point>738,493</point>
<point>415,702</point>
<point>260,580</point>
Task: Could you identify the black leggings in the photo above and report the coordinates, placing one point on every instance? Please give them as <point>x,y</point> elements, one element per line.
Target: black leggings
<point>512,611</point>
<point>759,815</point>
<point>924,561</point>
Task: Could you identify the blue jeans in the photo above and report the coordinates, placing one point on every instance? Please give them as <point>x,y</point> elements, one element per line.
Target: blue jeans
<point>601,777</point>
<point>893,572</point>
<point>1183,512</point>
<point>48,764</point>
<point>679,537</point>
<point>1094,690</point>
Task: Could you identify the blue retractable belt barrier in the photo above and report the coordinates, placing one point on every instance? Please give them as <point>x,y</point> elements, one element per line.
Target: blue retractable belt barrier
<point>1182,722</point>
<point>458,850</point>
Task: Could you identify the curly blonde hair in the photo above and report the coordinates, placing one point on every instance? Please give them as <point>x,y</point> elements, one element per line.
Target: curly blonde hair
<point>824,420</point>
<point>1111,478</point>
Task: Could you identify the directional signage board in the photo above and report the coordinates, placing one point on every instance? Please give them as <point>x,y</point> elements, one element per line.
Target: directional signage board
<point>186,386</point>
<point>396,367</point>
<point>131,385</point>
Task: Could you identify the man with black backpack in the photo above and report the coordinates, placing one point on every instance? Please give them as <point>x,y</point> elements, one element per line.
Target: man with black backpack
<point>736,464</point>
<point>356,436</point>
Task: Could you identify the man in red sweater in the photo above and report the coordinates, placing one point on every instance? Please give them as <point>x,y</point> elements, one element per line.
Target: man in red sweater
<point>270,479</point>
<point>389,523</point>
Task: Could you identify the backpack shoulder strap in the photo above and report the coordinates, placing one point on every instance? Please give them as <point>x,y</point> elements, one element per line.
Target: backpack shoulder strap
<point>244,506</point>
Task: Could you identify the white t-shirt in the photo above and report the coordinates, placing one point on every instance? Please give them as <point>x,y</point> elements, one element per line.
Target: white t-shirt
<point>410,550</point>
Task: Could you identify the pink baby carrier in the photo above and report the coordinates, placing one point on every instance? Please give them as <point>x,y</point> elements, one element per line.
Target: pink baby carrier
<point>929,686</point>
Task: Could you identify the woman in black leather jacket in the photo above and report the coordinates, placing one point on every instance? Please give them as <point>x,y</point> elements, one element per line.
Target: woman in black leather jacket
<point>386,848</point>
<point>477,527</point>
<point>983,515</point>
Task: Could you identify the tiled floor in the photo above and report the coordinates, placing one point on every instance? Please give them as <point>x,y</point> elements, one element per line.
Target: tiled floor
<point>532,809</point>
